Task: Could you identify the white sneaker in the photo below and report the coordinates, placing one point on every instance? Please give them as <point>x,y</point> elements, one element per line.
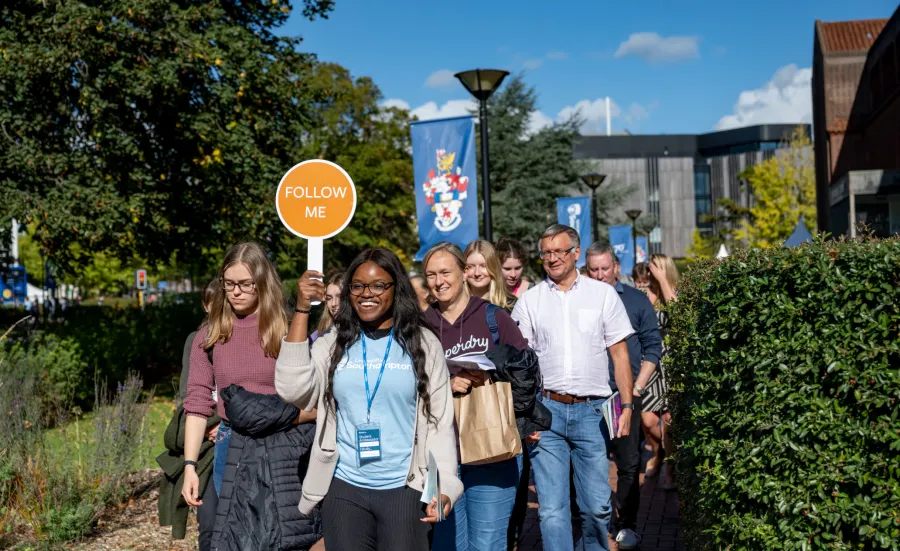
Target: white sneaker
<point>627,539</point>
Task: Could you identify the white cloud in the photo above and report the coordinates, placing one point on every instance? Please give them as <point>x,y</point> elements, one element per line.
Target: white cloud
<point>453,108</point>
<point>653,48</point>
<point>388,103</point>
<point>557,55</point>
<point>532,63</point>
<point>592,113</point>
<point>786,98</point>
<point>538,121</point>
<point>431,110</point>
<point>439,79</point>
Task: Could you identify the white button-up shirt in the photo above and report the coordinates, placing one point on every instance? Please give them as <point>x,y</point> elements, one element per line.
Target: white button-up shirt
<point>570,332</point>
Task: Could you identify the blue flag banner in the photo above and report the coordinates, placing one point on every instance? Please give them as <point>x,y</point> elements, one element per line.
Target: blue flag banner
<point>642,255</point>
<point>575,212</point>
<point>620,239</point>
<point>446,176</point>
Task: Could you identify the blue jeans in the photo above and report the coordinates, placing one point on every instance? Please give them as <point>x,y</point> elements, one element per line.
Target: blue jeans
<point>578,434</point>
<point>223,439</point>
<point>480,518</point>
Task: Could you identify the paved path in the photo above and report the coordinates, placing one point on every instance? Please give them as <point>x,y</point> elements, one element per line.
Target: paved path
<point>657,519</point>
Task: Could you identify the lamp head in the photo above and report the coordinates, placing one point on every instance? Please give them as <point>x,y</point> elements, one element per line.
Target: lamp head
<point>481,83</point>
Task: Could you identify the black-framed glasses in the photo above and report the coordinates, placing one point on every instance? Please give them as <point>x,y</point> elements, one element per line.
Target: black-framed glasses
<point>377,288</point>
<point>244,286</point>
<point>547,255</point>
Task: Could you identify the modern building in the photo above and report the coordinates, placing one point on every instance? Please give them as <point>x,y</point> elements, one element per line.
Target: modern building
<point>856,116</point>
<point>677,179</point>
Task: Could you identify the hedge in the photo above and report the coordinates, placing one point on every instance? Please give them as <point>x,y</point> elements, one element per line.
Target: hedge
<point>785,375</point>
<point>109,342</point>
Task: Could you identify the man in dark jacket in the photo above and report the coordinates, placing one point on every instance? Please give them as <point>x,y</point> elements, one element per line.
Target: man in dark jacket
<point>266,463</point>
<point>644,350</point>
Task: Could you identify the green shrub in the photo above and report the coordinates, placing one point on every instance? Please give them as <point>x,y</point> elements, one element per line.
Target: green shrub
<point>107,342</point>
<point>785,376</point>
<point>60,490</point>
<point>69,522</point>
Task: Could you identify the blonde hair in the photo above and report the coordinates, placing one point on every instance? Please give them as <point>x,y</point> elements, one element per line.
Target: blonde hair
<point>327,320</point>
<point>497,293</point>
<point>668,265</point>
<point>272,316</point>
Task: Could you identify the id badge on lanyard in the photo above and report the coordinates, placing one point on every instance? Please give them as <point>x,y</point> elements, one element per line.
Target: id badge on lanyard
<point>368,434</point>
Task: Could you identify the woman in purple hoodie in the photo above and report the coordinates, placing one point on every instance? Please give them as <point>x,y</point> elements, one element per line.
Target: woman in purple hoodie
<point>480,518</point>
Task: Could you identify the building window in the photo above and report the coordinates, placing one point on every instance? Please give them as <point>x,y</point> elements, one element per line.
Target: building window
<point>703,204</point>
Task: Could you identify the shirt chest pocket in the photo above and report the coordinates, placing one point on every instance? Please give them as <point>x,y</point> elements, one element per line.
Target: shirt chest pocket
<point>589,322</point>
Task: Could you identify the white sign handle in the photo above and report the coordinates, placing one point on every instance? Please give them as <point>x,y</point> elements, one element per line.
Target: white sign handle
<point>315,259</point>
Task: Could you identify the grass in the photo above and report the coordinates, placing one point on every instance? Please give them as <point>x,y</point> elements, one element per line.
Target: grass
<point>77,435</point>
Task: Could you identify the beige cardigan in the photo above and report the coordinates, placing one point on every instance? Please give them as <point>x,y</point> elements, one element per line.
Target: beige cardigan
<point>301,378</point>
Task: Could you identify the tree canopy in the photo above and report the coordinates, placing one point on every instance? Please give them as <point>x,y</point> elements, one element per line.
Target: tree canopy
<point>159,130</point>
<point>149,127</point>
<point>529,169</point>
<point>783,189</point>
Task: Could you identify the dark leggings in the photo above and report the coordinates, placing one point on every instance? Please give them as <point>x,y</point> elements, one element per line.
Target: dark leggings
<point>355,518</point>
<point>206,516</point>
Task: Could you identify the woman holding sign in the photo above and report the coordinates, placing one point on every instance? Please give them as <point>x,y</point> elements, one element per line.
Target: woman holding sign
<point>380,384</point>
<point>470,328</point>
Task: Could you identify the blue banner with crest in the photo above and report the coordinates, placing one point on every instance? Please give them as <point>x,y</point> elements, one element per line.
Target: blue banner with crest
<point>575,212</point>
<point>446,178</point>
<point>620,239</point>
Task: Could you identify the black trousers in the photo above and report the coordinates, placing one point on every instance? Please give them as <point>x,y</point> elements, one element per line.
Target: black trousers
<point>359,519</point>
<point>206,516</point>
<point>627,453</point>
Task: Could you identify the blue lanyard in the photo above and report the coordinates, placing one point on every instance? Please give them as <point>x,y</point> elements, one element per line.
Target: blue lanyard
<point>371,397</point>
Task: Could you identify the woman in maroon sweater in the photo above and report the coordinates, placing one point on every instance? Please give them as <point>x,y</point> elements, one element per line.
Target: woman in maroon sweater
<point>481,516</point>
<point>244,327</point>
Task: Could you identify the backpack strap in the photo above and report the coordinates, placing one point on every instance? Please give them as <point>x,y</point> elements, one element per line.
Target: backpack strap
<point>209,354</point>
<point>490,315</point>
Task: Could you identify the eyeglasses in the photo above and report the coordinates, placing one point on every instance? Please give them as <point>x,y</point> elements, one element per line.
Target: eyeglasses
<point>244,286</point>
<point>377,288</point>
<point>547,255</point>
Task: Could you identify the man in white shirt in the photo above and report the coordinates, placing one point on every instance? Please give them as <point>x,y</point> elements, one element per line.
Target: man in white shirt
<point>570,321</point>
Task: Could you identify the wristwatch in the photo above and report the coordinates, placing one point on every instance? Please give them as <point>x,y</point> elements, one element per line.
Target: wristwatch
<point>189,462</point>
<point>640,390</point>
<point>628,406</point>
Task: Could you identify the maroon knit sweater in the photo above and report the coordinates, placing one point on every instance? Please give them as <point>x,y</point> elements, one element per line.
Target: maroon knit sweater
<point>240,361</point>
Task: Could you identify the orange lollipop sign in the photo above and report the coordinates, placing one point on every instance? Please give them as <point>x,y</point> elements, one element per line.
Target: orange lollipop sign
<point>316,200</point>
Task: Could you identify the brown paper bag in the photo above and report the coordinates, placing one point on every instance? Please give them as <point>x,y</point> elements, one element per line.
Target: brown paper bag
<point>486,423</point>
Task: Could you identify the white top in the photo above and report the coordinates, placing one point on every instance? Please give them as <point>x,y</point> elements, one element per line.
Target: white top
<point>571,331</point>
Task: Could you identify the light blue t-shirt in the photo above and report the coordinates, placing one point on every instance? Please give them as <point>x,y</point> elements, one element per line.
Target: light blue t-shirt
<point>394,409</point>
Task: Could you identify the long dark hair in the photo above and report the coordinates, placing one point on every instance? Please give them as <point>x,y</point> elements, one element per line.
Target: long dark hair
<point>408,322</point>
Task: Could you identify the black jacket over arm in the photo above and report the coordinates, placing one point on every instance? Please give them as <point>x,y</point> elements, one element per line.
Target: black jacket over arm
<point>266,462</point>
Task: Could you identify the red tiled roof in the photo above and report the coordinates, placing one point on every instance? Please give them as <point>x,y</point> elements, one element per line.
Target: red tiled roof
<point>850,36</point>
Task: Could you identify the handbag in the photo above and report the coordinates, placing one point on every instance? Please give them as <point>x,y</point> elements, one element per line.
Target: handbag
<point>486,423</point>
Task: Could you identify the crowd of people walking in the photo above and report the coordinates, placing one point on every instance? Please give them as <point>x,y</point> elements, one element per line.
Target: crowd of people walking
<point>328,436</point>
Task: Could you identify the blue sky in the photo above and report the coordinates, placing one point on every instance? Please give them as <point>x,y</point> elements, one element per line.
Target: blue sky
<point>669,67</point>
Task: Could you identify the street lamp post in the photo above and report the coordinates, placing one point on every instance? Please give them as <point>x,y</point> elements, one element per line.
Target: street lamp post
<point>481,83</point>
<point>593,181</point>
<point>633,214</point>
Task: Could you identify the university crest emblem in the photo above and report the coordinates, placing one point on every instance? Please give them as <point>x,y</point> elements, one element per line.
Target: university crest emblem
<point>445,191</point>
